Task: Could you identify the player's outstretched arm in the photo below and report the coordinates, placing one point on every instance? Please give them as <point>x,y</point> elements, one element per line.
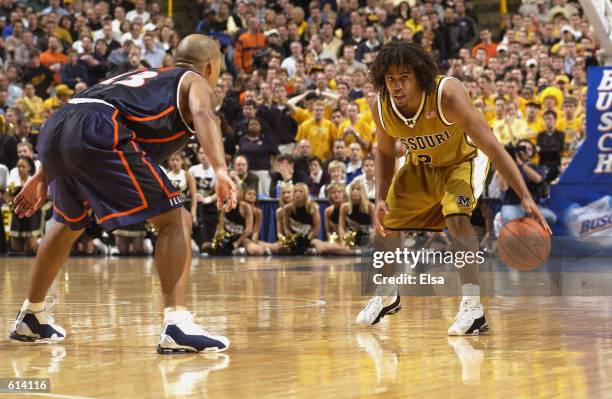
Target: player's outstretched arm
<point>458,108</point>
<point>32,196</point>
<point>209,135</point>
<point>384,168</point>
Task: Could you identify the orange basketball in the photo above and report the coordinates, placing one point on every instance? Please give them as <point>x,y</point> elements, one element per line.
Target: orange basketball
<point>523,244</point>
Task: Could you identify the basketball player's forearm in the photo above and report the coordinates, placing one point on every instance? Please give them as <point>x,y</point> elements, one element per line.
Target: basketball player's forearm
<point>384,174</point>
<point>212,143</point>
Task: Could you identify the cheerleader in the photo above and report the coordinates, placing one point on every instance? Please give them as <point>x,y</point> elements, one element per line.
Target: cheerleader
<point>235,230</point>
<point>301,218</point>
<point>285,197</point>
<point>331,216</point>
<point>356,216</point>
<point>184,182</point>
<point>253,245</point>
<point>24,231</point>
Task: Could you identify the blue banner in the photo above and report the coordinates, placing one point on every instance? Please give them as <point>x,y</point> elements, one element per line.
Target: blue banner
<point>582,199</point>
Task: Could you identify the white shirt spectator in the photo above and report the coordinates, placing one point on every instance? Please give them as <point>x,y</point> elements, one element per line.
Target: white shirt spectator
<point>289,65</point>
<point>14,173</point>
<point>128,36</point>
<point>370,186</point>
<point>132,15</point>
<point>4,174</point>
<point>155,57</point>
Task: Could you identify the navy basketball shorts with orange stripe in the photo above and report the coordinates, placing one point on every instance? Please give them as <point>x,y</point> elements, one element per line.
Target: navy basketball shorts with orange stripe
<point>92,161</point>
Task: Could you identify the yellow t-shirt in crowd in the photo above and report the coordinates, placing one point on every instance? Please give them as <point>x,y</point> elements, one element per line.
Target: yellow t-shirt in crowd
<point>360,127</point>
<point>320,135</point>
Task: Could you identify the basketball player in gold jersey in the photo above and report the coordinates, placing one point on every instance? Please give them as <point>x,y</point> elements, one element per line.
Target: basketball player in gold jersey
<point>449,145</point>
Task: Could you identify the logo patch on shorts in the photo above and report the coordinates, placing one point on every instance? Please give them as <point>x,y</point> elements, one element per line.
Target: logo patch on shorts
<point>463,201</point>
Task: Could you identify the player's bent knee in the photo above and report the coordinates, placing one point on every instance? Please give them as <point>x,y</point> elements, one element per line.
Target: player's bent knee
<point>168,219</point>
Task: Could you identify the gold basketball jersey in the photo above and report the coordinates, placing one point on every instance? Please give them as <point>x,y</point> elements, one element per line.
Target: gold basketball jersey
<point>428,136</point>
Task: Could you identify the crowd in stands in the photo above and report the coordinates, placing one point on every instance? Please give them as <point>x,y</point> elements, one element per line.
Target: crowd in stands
<point>293,101</point>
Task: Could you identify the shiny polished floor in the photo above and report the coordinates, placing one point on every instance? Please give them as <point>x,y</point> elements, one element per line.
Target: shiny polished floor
<point>291,323</point>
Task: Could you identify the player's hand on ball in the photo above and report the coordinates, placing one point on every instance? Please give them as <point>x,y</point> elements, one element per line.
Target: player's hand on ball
<point>380,211</point>
<point>532,209</point>
<point>31,197</point>
<point>226,191</point>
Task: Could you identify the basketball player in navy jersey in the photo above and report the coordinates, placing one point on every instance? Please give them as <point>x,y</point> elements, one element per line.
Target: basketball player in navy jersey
<point>101,153</point>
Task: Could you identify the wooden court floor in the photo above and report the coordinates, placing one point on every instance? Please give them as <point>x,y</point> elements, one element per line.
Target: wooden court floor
<point>291,324</point>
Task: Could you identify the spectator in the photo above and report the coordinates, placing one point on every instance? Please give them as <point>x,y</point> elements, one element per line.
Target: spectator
<point>39,75</point>
<point>486,43</point>
<point>338,153</point>
<point>119,60</point>
<point>8,145</point>
<point>241,174</point>
<point>6,100</point>
<point>534,177</point>
<point>23,51</point>
<point>94,61</point>
<point>54,7</point>
<point>289,63</point>
<point>249,111</point>
<point>24,150</point>
<point>259,152</point>
<point>354,130</point>
<point>116,23</point>
<point>73,72</point>
<point>285,174</point>
<point>31,105</point>
<point>207,214</point>
<point>150,52</point>
<point>24,231</point>
<point>283,126</point>
<point>367,178</point>
<point>301,155</point>
<point>354,165</point>
<point>53,58</point>
<point>550,144</point>
<point>107,35</point>
<point>367,49</point>
<point>61,97</point>
<point>352,63</point>
<point>139,11</point>
<point>317,177</point>
<point>337,175</point>
<point>248,44</point>
<point>319,131</point>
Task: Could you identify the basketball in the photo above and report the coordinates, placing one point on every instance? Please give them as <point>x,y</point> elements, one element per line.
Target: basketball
<point>524,244</point>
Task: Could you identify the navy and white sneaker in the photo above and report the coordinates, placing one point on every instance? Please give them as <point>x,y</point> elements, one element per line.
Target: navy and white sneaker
<point>37,327</point>
<point>180,334</point>
<point>470,320</point>
<point>378,307</point>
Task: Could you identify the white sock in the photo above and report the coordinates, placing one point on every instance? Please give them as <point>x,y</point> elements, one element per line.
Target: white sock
<point>33,307</point>
<point>171,311</point>
<point>471,292</point>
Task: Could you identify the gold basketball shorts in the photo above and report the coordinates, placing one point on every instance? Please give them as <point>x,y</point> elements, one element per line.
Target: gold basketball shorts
<point>422,196</point>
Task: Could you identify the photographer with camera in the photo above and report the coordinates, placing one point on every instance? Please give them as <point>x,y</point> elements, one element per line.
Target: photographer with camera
<point>534,176</point>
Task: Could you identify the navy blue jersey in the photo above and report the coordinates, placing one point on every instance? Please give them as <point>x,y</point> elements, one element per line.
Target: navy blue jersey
<point>147,101</point>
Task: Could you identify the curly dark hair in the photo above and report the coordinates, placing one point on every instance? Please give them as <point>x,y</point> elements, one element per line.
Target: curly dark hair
<point>403,53</point>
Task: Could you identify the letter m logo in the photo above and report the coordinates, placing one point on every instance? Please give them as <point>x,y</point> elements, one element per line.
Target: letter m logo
<point>463,201</point>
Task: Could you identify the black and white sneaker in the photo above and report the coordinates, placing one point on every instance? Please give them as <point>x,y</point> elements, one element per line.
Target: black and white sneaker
<point>377,308</point>
<point>181,334</point>
<point>470,320</point>
<point>37,327</point>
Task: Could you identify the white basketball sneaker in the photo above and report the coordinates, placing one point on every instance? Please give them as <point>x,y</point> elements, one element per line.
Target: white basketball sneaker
<point>181,334</point>
<point>378,307</point>
<point>37,326</point>
<point>470,320</point>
